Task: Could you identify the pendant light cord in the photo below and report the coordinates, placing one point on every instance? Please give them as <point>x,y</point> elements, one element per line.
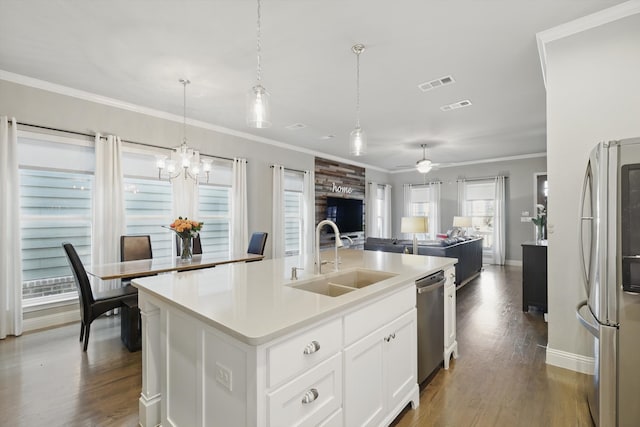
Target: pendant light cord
<point>184,82</point>
<point>258,46</point>
<point>358,89</point>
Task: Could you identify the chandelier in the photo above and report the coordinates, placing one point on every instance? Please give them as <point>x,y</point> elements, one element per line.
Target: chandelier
<point>188,162</point>
<point>258,114</point>
<point>357,138</point>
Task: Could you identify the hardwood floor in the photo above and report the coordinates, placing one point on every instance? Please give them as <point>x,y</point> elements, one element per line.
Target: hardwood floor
<point>499,379</point>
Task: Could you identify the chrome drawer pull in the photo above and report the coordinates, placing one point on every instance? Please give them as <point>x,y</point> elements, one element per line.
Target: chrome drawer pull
<point>310,396</point>
<point>312,347</point>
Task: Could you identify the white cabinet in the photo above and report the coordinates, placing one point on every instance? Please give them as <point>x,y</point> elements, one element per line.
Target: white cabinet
<point>450,342</point>
<point>381,373</point>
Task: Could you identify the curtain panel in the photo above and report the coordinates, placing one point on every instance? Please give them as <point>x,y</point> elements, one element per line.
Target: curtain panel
<point>372,211</point>
<point>239,215</point>
<point>108,206</point>
<point>386,215</point>
<point>277,217</point>
<point>434,209</point>
<point>499,226</point>
<point>309,213</point>
<point>11,259</point>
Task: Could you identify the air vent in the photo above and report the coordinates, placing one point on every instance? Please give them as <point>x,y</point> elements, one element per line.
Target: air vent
<point>456,105</point>
<point>327,136</point>
<point>442,81</point>
<point>296,126</point>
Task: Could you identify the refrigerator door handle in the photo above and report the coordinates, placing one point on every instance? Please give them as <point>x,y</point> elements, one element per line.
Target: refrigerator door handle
<point>583,262</point>
<point>592,327</point>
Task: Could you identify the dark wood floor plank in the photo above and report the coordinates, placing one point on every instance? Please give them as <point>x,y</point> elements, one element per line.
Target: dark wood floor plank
<point>500,378</point>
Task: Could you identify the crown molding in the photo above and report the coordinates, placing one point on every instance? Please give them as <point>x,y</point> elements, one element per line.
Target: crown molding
<point>477,162</point>
<point>579,25</point>
<point>111,102</point>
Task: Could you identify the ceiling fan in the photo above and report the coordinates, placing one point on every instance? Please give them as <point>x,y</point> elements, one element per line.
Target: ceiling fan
<point>424,165</point>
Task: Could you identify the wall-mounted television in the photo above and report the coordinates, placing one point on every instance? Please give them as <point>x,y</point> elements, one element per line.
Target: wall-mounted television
<point>346,213</point>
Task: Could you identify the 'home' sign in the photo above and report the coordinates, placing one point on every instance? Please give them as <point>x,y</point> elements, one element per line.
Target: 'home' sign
<point>340,189</point>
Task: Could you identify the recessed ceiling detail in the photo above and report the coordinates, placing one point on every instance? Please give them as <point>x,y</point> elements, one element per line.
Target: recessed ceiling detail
<point>296,126</point>
<point>456,105</point>
<point>442,81</point>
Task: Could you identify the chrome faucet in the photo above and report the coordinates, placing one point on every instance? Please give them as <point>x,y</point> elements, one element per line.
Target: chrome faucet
<point>338,240</point>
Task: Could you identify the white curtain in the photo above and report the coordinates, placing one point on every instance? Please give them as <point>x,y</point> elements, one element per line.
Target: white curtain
<point>406,209</point>
<point>499,249</point>
<point>372,210</point>
<point>185,190</point>
<point>386,215</point>
<point>462,197</point>
<point>108,205</point>
<point>309,212</point>
<point>434,209</point>
<point>10,260</point>
<point>239,221</point>
<point>277,217</point>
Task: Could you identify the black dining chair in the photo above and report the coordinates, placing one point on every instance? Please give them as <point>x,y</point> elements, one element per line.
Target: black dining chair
<point>257,243</point>
<point>93,304</point>
<point>196,249</point>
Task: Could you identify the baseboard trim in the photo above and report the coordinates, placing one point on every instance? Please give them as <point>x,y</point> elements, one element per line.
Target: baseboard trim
<point>571,361</point>
<point>51,320</point>
<point>514,262</point>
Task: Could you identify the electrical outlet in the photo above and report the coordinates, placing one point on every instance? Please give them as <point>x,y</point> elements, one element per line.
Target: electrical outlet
<point>224,376</point>
<point>525,219</point>
<point>525,213</point>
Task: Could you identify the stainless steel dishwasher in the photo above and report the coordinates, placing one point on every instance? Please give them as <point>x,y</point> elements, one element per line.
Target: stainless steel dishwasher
<point>430,296</point>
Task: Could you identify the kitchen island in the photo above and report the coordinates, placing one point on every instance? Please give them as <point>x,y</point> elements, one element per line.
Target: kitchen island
<point>246,345</point>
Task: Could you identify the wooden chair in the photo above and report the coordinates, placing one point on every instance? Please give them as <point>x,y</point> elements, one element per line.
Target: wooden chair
<point>197,245</point>
<point>257,243</point>
<point>93,304</point>
<point>133,248</point>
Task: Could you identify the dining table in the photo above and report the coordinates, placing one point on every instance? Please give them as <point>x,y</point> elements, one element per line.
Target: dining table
<point>149,267</point>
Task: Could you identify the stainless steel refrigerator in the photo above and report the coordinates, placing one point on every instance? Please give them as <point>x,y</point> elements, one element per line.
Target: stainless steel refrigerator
<point>610,254</point>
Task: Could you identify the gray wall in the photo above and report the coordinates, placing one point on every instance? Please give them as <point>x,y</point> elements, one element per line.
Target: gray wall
<point>519,191</point>
<point>36,106</point>
<point>593,94</point>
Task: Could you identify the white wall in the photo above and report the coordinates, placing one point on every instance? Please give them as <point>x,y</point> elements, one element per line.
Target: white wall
<point>36,106</point>
<point>519,194</point>
<point>593,94</point>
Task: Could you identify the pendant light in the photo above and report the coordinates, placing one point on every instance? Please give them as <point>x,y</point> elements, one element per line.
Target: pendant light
<point>258,114</point>
<point>357,139</point>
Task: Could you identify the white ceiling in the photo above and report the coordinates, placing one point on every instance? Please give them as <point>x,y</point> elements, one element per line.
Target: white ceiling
<point>136,51</point>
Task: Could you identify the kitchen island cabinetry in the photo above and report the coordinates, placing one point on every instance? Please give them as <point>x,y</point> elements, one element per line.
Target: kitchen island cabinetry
<point>262,354</point>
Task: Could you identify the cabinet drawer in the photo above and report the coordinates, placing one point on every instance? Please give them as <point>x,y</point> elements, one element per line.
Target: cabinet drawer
<point>322,388</point>
<point>303,351</point>
<point>367,319</point>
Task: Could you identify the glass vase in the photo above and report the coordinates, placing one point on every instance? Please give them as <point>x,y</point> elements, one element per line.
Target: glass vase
<point>187,252</point>
<point>539,233</point>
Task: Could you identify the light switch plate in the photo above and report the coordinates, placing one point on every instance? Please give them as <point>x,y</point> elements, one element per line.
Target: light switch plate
<point>525,213</point>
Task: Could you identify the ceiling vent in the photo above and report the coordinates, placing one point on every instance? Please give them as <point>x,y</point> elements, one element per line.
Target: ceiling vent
<point>456,105</point>
<point>327,136</point>
<point>442,81</point>
<point>296,126</point>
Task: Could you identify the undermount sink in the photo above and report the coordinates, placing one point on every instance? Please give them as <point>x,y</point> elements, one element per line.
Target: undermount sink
<point>340,283</point>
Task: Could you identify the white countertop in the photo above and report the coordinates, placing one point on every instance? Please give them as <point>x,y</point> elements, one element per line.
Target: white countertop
<point>252,302</point>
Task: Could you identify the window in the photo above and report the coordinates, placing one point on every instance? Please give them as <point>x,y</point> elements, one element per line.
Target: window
<point>147,209</point>
<point>422,205</point>
<point>215,212</point>
<point>479,204</point>
<point>55,206</point>
<point>293,212</point>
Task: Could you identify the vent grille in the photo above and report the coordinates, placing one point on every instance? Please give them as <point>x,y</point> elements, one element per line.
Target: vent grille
<point>296,126</point>
<point>442,81</point>
<point>456,105</point>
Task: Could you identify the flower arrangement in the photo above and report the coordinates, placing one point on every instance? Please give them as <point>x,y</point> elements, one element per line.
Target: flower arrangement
<point>541,216</point>
<point>185,227</point>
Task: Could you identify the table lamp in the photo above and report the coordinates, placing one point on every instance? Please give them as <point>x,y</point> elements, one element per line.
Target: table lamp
<point>414,224</point>
<point>462,223</point>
